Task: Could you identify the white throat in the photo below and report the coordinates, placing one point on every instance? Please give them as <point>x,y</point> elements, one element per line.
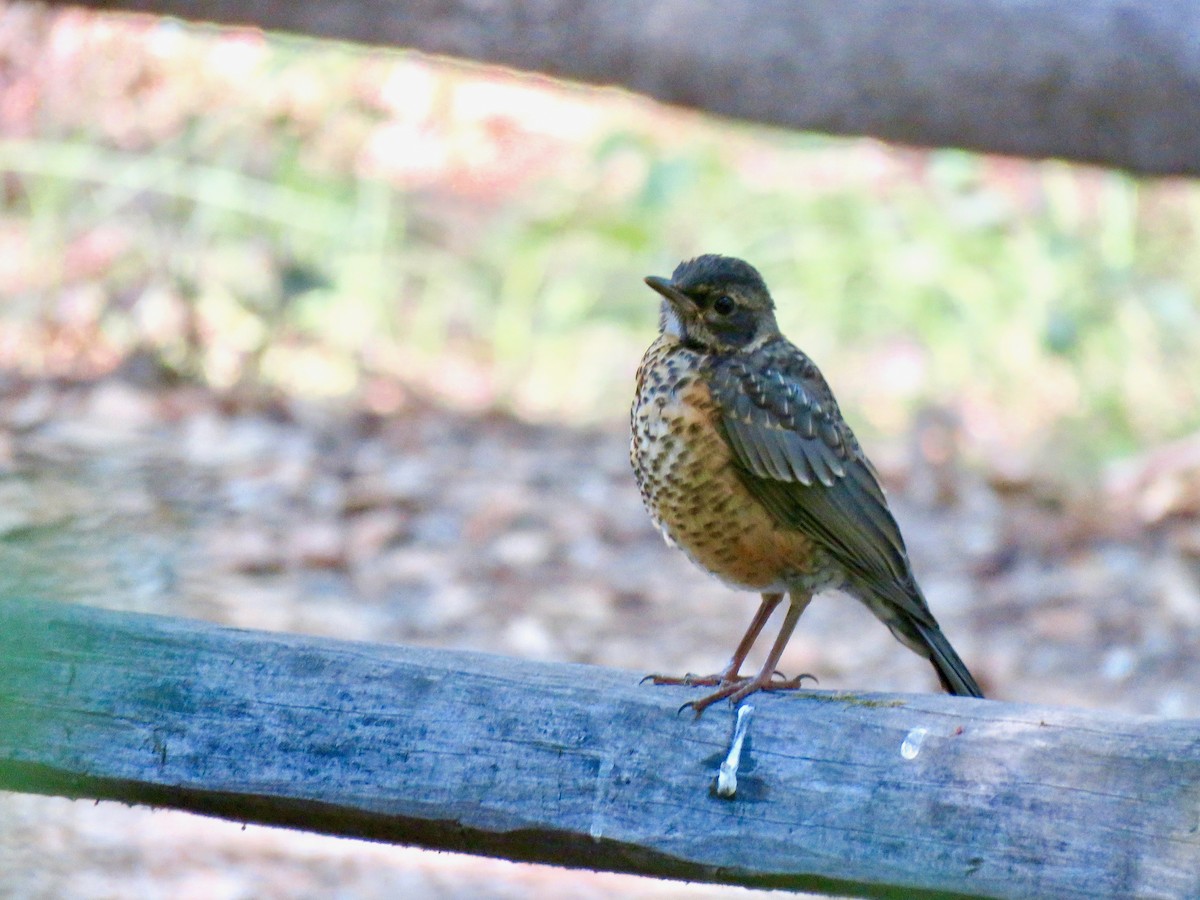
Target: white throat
<point>669,321</point>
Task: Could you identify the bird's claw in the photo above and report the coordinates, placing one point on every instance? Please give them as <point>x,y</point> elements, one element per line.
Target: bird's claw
<point>780,682</point>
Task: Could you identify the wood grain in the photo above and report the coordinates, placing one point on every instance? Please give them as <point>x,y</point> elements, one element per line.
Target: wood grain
<point>872,795</point>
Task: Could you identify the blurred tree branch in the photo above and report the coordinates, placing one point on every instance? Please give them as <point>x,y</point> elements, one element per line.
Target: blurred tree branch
<point>1115,82</point>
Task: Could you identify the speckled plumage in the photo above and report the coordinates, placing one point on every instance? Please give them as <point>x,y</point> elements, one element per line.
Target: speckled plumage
<point>745,463</point>
<point>685,470</point>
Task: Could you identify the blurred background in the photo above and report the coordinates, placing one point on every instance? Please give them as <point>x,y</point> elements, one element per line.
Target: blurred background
<point>301,336</point>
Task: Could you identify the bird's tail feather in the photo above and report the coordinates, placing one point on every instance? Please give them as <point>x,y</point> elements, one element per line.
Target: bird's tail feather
<point>951,670</point>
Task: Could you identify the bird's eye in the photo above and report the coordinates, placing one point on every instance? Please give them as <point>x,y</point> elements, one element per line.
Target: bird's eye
<point>723,305</point>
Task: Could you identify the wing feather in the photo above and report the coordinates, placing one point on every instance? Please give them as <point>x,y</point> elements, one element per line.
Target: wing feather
<point>801,461</point>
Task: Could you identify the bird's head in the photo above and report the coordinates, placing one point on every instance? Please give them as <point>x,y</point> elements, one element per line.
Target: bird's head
<point>716,303</point>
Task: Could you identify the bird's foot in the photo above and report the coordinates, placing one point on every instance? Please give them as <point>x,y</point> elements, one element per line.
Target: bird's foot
<point>693,680</point>
<point>736,687</point>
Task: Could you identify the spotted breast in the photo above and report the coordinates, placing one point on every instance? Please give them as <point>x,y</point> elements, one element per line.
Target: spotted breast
<point>685,472</point>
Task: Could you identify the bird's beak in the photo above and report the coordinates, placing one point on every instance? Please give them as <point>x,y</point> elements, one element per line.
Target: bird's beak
<point>664,286</point>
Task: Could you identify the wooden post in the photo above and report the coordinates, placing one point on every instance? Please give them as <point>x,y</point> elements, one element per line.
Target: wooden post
<point>580,766</point>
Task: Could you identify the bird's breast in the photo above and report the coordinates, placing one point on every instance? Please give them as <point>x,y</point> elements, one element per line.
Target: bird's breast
<point>688,480</point>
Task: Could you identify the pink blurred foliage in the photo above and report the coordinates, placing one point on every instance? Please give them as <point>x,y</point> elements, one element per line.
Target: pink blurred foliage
<point>137,84</point>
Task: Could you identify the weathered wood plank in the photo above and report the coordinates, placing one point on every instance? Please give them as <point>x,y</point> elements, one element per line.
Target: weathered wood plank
<point>580,766</point>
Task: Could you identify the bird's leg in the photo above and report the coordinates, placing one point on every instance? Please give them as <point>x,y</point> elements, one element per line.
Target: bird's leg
<point>729,675</point>
<point>741,688</point>
<point>769,602</point>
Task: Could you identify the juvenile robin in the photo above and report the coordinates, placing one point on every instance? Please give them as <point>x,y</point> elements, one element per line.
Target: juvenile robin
<point>745,463</point>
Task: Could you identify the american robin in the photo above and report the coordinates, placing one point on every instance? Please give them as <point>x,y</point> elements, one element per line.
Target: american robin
<point>745,463</point>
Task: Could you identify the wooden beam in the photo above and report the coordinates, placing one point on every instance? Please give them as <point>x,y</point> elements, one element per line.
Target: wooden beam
<point>580,766</point>
<point>1115,82</point>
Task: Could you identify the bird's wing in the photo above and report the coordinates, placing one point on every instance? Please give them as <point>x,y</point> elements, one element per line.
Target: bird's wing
<point>796,455</point>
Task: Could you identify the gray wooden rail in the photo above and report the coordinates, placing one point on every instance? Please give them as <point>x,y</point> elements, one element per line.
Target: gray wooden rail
<point>579,766</point>
<point>1115,82</point>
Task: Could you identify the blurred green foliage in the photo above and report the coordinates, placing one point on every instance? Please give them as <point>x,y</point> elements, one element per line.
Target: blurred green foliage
<point>1057,306</point>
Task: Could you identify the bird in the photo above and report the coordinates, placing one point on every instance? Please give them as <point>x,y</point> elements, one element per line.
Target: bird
<point>744,462</point>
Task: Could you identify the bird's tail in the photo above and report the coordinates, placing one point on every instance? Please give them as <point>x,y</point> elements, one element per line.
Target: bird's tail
<point>951,670</point>
<point>902,607</point>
